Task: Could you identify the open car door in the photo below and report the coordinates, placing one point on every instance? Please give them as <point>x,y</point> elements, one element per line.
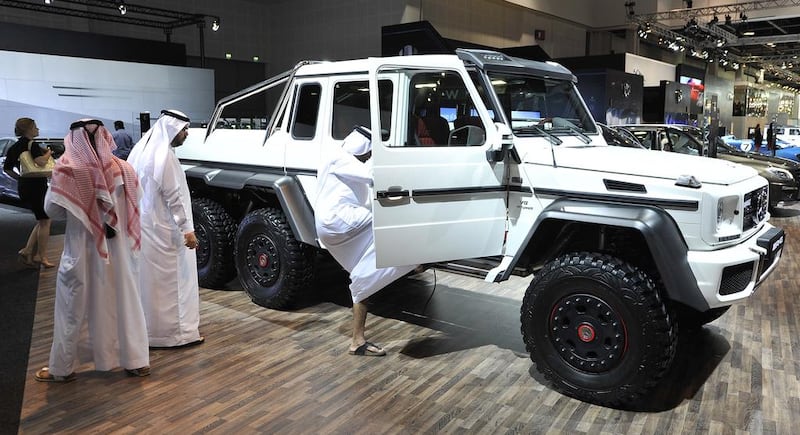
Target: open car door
<point>436,195</point>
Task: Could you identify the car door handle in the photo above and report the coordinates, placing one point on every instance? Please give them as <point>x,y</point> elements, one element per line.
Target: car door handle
<point>392,194</point>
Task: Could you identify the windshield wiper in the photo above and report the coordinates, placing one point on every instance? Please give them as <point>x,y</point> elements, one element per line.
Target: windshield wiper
<point>532,128</point>
<point>584,137</point>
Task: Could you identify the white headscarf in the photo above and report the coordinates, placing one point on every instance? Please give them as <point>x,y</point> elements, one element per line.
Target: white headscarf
<point>150,154</point>
<point>358,142</point>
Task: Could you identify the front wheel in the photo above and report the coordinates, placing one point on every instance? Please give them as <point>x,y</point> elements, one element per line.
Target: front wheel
<point>274,267</point>
<point>596,327</point>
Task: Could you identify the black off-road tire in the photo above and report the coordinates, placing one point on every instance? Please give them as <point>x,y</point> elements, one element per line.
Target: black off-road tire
<point>596,327</point>
<point>274,268</point>
<point>215,231</point>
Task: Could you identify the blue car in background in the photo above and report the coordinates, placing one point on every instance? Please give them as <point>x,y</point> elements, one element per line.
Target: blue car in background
<point>786,150</point>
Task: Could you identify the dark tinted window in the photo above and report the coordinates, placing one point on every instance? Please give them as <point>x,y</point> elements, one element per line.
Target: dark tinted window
<point>304,124</point>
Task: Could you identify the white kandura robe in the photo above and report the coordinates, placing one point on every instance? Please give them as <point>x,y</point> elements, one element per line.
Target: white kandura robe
<point>343,219</point>
<point>98,312</point>
<point>170,289</point>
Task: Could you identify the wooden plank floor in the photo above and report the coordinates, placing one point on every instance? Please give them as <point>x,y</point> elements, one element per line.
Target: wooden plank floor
<point>456,363</point>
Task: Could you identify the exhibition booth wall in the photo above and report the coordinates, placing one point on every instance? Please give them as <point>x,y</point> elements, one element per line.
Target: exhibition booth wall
<point>57,90</point>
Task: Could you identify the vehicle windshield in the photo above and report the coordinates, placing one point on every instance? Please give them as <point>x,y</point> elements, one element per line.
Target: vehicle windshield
<point>537,106</point>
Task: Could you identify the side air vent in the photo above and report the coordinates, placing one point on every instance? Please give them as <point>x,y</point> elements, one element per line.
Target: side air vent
<point>624,186</point>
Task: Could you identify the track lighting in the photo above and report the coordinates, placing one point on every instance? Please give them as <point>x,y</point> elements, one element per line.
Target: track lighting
<point>47,2</point>
<point>122,8</point>
<point>728,20</point>
<point>713,21</point>
<point>215,24</point>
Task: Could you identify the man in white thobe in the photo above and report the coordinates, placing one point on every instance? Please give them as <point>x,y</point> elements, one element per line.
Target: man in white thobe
<point>170,289</point>
<point>343,219</point>
<point>98,312</point>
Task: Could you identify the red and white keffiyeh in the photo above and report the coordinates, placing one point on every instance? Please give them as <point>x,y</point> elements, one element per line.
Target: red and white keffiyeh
<point>84,179</point>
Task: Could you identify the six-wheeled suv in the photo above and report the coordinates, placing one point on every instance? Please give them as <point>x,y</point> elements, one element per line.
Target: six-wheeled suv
<point>491,165</point>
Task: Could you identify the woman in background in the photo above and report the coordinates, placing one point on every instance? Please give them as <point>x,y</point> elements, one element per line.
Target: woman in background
<point>31,191</point>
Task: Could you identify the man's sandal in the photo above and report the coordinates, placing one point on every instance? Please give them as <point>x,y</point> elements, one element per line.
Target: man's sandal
<point>364,350</point>
<point>140,372</point>
<point>44,375</point>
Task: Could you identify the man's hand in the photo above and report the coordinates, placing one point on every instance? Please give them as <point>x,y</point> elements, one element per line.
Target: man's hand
<point>190,240</point>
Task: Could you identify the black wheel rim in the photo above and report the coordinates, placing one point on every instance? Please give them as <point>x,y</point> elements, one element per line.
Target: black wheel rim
<point>587,333</point>
<point>203,250</point>
<point>263,260</point>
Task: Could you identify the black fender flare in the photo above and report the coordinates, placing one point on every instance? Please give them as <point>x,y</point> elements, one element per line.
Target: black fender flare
<point>290,194</point>
<point>660,232</point>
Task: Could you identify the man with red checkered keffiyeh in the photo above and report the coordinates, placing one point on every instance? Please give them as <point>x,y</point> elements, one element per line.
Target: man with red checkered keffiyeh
<point>97,287</point>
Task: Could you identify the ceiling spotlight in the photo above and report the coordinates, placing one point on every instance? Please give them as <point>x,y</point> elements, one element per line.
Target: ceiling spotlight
<point>122,9</point>
<point>215,24</point>
<point>47,2</point>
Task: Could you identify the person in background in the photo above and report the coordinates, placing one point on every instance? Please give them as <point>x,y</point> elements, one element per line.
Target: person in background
<point>31,191</point>
<point>771,138</point>
<point>758,137</point>
<point>122,139</point>
<point>170,289</point>
<point>98,310</point>
<point>343,220</point>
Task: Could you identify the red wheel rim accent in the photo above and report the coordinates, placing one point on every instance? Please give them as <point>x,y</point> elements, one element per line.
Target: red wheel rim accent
<point>263,260</point>
<point>586,333</point>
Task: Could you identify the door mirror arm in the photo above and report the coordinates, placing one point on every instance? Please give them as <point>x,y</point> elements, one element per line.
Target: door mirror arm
<point>500,151</point>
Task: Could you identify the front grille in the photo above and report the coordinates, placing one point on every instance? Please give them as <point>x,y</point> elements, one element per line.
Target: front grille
<point>736,278</point>
<point>755,207</point>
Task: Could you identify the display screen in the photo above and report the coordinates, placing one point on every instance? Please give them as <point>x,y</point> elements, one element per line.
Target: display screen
<point>448,113</point>
<point>525,114</point>
<point>690,81</point>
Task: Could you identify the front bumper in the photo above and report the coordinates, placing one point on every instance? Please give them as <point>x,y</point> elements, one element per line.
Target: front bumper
<point>731,274</point>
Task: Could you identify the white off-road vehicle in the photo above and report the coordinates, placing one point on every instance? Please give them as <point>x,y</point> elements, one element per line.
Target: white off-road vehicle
<point>491,165</point>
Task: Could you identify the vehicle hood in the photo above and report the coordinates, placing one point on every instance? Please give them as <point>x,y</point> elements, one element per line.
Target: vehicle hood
<point>648,163</point>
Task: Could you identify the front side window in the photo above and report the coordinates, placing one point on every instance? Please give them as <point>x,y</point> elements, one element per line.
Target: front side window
<point>439,110</point>
<point>683,143</point>
<point>535,104</point>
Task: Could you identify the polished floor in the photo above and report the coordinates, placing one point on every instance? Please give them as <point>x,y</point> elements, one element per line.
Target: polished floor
<point>456,364</point>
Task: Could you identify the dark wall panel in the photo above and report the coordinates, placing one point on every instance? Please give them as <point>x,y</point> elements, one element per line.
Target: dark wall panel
<point>30,39</point>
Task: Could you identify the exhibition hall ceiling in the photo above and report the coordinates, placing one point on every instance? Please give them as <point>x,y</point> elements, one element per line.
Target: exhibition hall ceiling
<point>755,35</point>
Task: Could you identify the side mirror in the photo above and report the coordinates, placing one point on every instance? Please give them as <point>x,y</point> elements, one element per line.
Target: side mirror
<point>505,147</point>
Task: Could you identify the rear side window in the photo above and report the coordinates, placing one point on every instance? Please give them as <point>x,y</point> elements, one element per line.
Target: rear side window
<point>351,107</point>
<point>304,124</point>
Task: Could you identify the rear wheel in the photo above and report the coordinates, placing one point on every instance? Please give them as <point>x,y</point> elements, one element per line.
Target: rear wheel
<point>274,268</point>
<point>215,231</point>
<point>596,327</point>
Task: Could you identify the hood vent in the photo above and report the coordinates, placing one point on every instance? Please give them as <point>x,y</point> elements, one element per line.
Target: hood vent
<point>624,186</point>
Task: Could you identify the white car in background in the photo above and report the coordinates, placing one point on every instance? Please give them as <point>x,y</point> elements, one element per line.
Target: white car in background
<point>788,134</point>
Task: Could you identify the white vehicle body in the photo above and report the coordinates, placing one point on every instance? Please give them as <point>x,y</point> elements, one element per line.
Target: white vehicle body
<point>788,134</point>
<point>524,189</point>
